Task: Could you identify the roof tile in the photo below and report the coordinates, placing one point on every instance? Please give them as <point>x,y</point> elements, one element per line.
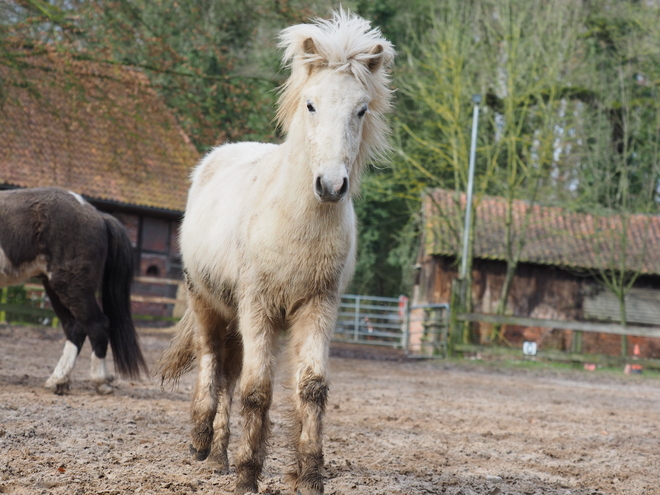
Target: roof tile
<point>96,129</point>
<point>554,235</point>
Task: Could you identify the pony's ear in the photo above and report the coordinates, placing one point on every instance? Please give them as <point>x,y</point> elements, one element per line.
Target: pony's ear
<point>376,58</point>
<point>313,58</point>
<point>309,47</point>
<point>300,49</point>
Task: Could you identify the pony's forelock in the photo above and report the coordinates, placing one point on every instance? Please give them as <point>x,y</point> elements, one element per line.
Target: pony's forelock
<point>344,43</point>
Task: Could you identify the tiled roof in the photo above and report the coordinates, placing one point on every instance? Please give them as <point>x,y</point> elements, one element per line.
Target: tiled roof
<point>553,236</point>
<point>96,129</point>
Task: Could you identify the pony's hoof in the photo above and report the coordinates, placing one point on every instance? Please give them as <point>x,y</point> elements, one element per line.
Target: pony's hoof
<point>243,488</point>
<point>221,462</point>
<point>104,389</point>
<point>62,388</point>
<point>309,491</point>
<point>199,455</point>
<point>110,379</point>
<point>310,487</point>
<point>58,388</point>
<point>52,383</point>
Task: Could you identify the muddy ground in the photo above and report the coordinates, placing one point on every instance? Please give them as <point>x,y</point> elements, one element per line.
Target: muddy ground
<point>393,427</point>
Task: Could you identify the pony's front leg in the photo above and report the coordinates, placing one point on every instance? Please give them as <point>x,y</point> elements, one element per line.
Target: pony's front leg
<point>256,394</point>
<point>310,338</point>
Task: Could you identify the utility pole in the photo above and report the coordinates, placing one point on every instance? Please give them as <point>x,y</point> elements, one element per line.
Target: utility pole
<point>460,289</point>
<point>476,99</point>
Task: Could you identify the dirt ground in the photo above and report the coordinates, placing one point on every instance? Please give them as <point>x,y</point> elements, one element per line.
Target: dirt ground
<point>393,427</point>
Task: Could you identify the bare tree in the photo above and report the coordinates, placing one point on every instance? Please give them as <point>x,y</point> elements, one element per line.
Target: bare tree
<point>520,54</point>
<point>619,170</point>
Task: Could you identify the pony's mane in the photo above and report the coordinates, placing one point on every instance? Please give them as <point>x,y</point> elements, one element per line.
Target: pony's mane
<point>345,43</point>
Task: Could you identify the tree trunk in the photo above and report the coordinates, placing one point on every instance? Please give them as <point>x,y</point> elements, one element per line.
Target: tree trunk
<point>504,295</point>
<point>623,319</point>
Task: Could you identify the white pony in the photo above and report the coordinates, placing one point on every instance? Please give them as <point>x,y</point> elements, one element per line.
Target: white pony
<point>268,244</point>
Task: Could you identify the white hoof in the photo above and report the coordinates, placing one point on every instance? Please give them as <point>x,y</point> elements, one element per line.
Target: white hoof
<point>104,389</point>
<point>55,381</point>
<point>58,388</point>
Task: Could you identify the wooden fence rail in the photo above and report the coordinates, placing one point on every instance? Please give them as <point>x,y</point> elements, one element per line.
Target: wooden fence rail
<point>578,327</point>
<point>179,301</point>
<point>582,326</point>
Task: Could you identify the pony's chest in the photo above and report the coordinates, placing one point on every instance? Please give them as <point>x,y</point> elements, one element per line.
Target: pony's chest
<point>295,255</point>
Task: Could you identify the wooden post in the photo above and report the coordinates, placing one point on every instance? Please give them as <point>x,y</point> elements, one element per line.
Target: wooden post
<point>405,322</point>
<point>576,345</point>
<point>181,298</point>
<point>3,300</point>
<point>432,331</point>
<point>456,307</point>
<point>624,346</point>
<point>356,321</point>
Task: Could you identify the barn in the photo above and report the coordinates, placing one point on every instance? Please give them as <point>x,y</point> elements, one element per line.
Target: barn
<point>101,131</point>
<point>565,257</point>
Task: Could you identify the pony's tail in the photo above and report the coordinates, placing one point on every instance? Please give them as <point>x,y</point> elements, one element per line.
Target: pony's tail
<point>179,357</point>
<point>116,297</point>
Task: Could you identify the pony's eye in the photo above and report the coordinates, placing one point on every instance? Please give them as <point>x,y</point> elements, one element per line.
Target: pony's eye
<point>310,107</point>
<point>363,110</point>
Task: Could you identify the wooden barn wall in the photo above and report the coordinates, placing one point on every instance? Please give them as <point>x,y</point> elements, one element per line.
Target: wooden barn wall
<point>154,240</point>
<point>537,291</point>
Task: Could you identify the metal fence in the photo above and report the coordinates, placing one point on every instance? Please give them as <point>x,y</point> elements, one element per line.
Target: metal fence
<point>389,321</point>
<point>372,320</point>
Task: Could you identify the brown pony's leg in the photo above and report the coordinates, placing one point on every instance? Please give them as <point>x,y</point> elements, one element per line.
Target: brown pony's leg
<point>310,337</point>
<point>256,393</point>
<point>210,334</point>
<point>76,296</point>
<point>232,360</point>
<point>60,379</point>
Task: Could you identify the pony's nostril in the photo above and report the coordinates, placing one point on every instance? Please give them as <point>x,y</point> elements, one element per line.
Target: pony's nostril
<point>344,187</point>
<point>332,191</point>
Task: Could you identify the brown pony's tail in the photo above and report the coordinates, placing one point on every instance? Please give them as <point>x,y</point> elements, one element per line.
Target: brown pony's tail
<point>116,298</point>
<point>179,357</point>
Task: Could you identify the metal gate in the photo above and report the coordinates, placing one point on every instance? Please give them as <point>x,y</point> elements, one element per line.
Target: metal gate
<point>389,321</point>
<point>372,320</point>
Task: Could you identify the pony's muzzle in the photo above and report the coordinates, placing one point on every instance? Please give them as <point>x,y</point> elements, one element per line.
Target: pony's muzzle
<point>330,191</point>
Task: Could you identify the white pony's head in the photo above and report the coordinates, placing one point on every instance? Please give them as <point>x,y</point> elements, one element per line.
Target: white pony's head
<point>336,98</point>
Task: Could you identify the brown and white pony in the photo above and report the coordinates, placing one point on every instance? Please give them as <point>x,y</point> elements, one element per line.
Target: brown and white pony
<point>268,243</point>
<point>75,250</point>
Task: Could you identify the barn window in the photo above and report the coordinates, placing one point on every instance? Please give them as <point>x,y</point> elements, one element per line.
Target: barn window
<point>153,271</point>
<point>155,235</point>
